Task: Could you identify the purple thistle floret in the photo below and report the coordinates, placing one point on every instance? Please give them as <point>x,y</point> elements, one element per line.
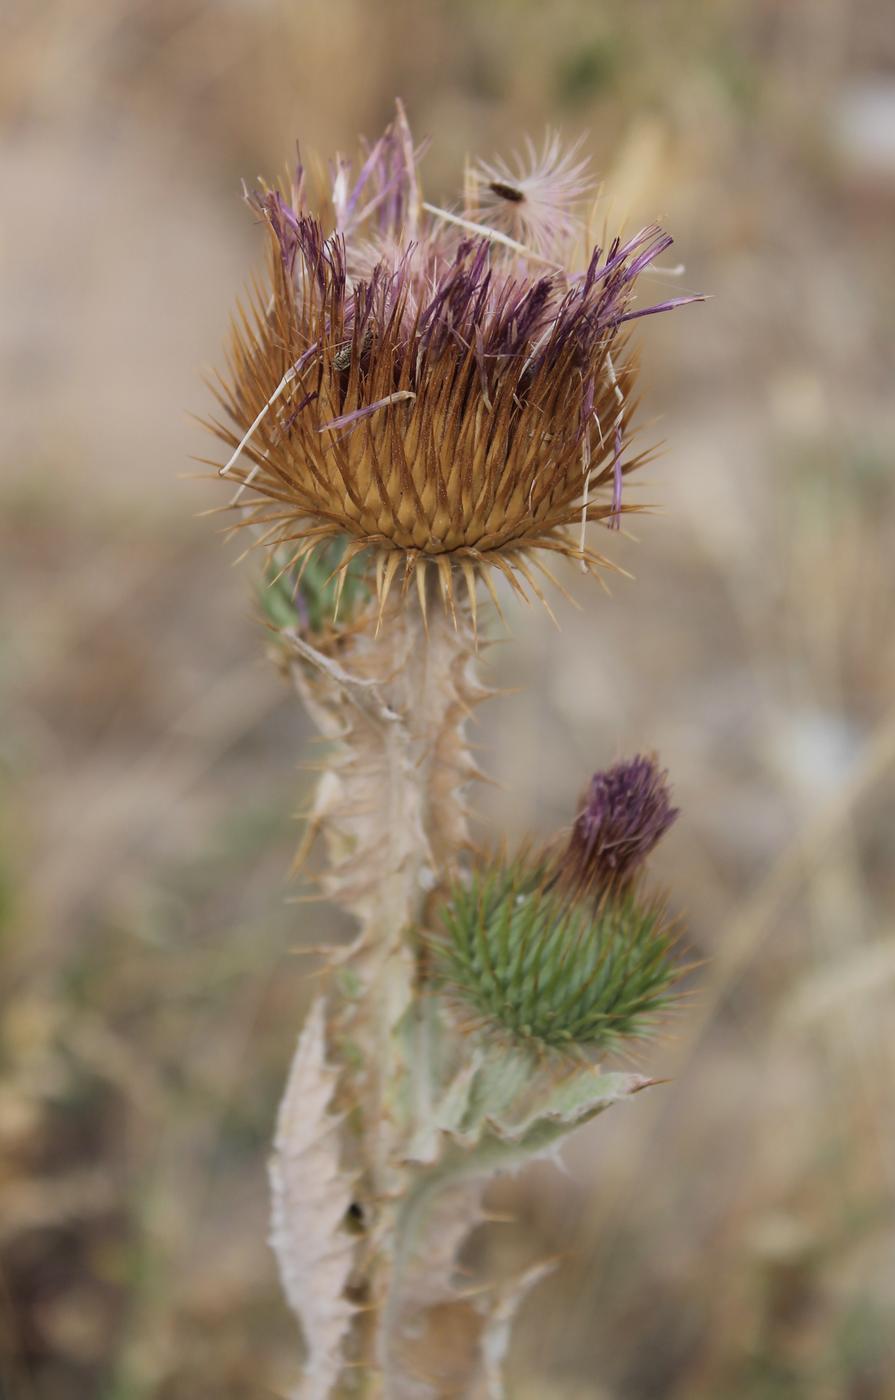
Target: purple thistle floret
<point>625,814</point>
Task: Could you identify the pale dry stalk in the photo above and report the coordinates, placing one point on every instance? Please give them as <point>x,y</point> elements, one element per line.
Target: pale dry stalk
<point>390,806</point>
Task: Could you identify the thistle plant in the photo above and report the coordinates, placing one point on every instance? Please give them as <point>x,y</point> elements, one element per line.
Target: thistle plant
<point>421,401</point>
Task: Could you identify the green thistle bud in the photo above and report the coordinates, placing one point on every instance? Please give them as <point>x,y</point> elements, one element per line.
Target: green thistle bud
<point>305,598</point>
<point>529,958</point>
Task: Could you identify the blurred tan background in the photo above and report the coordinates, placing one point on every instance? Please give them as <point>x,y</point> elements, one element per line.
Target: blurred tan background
<point>731,1234</point>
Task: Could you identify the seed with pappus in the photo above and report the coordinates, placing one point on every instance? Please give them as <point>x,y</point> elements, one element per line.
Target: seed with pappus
<point>436,386</point>
<point>525,958</point>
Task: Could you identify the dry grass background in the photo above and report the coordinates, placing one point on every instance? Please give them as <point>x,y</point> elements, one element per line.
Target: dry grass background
<point>732,1234</point>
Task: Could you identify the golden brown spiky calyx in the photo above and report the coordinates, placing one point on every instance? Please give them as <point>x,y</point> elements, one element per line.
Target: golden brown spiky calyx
<point>428,387</point>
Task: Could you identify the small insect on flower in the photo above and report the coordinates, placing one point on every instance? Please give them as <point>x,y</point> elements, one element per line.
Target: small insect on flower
<point>435,387</point>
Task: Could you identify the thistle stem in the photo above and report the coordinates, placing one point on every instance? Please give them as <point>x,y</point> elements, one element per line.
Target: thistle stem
<point>391,809</point>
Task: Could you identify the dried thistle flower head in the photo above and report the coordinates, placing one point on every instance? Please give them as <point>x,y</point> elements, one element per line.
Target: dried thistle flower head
<point>527,959</point>
<point>625,813</point>
<point>436,387</point>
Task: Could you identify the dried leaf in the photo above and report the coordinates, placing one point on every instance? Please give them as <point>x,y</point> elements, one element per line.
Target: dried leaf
<point>311,1194</point>
<point>495,1339</point>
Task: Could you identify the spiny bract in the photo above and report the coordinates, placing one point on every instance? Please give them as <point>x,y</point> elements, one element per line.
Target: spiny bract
<point>426,385</point>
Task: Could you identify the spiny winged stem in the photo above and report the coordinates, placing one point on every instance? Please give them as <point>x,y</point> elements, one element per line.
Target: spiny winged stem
<point>391,808</point>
